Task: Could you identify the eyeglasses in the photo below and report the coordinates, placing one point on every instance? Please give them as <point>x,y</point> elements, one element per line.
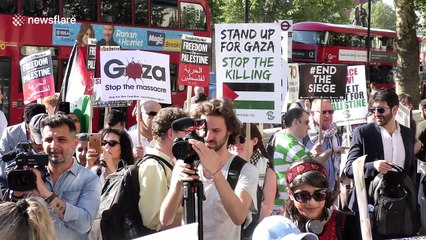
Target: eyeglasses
<point>305,196</point>
<point>241,139</point>
<point>379,110</point>
<point>111,143</point>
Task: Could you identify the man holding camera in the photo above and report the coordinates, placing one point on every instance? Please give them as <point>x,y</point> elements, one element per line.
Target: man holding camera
<point>72,192</point>
<point>154,176</point>
<point>225,209</point>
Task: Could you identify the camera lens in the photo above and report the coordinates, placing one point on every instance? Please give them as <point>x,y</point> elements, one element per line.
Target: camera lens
<point>181,150</point>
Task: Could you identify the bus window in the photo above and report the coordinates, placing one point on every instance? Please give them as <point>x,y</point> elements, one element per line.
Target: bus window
<point>113,11</point>
<point>28,50</point>
<point>85,10</point>
<point>5,76</point>
<point>164,13</point>
<point>307,37</point>
<point>141,12</point>
<point>8,7</point>
<point>193,16</point>
<point>40,8</point>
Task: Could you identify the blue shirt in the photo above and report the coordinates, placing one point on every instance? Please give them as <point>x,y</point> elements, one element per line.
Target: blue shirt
<point>81,190</point>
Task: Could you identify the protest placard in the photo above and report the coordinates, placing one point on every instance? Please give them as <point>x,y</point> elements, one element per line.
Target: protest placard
<point>403,115</point>
<point>354,108</point>
<point>194,67</point>
<point>135,75</point>
<point>37,76</point>
<point>249,70</point>
<point>322,81</point>
<point>293,82</point>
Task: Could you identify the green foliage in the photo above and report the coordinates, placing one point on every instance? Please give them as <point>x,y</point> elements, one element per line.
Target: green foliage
<point>383,16</point>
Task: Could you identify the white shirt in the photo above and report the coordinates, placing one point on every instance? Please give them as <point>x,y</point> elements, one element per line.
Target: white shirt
<point>134,137</point>
<point>216,222</point>
<point>3,122</point>
<point>393,146</point>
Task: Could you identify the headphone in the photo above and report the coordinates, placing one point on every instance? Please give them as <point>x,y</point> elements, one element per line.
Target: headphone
<point>317,226</point>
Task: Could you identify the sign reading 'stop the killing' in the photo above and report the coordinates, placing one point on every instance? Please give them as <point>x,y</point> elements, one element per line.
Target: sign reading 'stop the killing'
<point>322,81</point>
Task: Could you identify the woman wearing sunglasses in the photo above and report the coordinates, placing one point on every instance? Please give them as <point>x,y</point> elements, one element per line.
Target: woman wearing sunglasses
<point>308,206</point>
<point>260,158</point>
<point>116,152</point>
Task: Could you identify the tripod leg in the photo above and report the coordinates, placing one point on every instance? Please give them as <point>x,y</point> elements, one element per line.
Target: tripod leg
<point>200,198</point>
<point>188,203</point>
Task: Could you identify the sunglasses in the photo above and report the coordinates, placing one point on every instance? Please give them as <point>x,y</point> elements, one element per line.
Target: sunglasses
<point>151,114</point>
<point>379,110</point>
<point>241,139</point>
<point>327,111</point>
<point>305,196</point>
<point>111,143</point>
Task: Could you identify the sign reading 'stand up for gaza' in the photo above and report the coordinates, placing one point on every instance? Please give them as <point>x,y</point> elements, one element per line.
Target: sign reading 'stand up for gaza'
<point>322,81</point>
<point>248,70</point>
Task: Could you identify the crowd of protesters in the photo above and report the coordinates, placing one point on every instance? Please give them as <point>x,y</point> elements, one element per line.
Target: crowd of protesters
<point>304,181</point>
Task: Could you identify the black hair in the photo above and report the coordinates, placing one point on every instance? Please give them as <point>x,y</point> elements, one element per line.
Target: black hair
<point>114,117</point>
<point>125,143</point>
<point>33,109</point>
<point>312,178</point>
<point>386,95</point>
<point>58,120</point>
<point>294,113</point>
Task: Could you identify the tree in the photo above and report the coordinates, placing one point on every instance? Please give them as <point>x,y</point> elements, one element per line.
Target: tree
<point>383,16</point>
<point>407,71</point>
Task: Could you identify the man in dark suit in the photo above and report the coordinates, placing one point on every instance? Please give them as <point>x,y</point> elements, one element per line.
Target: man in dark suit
<point>386,142</point>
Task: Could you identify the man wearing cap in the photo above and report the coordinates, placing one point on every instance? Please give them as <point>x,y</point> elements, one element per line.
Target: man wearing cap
<point>35,132</point>
<point>149,110</point>
<point>17,133</point>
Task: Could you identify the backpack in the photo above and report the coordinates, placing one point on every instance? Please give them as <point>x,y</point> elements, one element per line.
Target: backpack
<point>232,178</point>
<point>396,211</point>
<point>120,217</point>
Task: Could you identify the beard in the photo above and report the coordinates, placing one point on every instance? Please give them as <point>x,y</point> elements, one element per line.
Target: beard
<point>216,145</point>
<point>384,119</point>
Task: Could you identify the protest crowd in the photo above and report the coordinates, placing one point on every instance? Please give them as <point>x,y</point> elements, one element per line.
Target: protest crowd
<point>299,183</point>
<point>343,164</point>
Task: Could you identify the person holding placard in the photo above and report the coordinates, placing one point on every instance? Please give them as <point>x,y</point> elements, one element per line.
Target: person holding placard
<point>331,138</point>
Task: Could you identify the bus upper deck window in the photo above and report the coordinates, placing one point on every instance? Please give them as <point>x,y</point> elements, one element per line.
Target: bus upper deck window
<point>8,7</point>
<point>85,10</point>
<point>40,8</point>
<point>193,16</point>
<point>113,11</point>
<point>141,12</point>
<point>164,13</point>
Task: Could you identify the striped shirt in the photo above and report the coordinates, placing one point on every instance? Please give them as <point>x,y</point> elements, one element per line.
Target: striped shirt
<point>288,150</point>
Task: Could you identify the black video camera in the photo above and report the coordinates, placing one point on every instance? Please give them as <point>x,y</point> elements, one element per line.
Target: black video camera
<point>21,178</point>
<point>197,129</point>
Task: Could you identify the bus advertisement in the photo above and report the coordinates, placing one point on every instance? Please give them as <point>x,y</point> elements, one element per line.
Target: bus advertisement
<point>55,25</point>
<point>315,42</point>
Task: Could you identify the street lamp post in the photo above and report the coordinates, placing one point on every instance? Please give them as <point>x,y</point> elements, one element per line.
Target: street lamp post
<point>246,12</point>
<point>367,69</point>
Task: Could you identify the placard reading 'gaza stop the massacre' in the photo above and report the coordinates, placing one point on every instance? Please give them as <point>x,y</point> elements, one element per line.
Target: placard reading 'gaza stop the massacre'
<point>322,81</point>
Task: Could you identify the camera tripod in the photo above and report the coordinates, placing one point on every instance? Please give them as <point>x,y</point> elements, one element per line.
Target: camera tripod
<point>193,193</point>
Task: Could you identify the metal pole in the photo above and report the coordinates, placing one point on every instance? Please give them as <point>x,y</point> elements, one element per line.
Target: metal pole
<point>246,13</point>
<point>367,69</point>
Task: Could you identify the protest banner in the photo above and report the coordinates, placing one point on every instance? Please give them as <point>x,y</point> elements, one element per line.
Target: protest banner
<point>293,82</point>
<point>37,76</point>
<point>249,70</point>
<point>90,65</point>
<point>403,115</point>
<point>97,97</point>
<point>322,81</point>
<point>135,75</point>
<point>194,67</point>
<point>361,196</point>
<point>354,108</point>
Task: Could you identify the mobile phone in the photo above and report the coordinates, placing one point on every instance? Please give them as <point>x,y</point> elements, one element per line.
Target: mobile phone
<point>95,141</point>
<point>64,107</point>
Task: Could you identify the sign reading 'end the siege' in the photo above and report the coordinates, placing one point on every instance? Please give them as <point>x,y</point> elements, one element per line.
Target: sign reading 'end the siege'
<point>322,81</point>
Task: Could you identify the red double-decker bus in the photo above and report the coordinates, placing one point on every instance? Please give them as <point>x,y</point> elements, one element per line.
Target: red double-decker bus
<point>31,26</point>
<point>315,42</point>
